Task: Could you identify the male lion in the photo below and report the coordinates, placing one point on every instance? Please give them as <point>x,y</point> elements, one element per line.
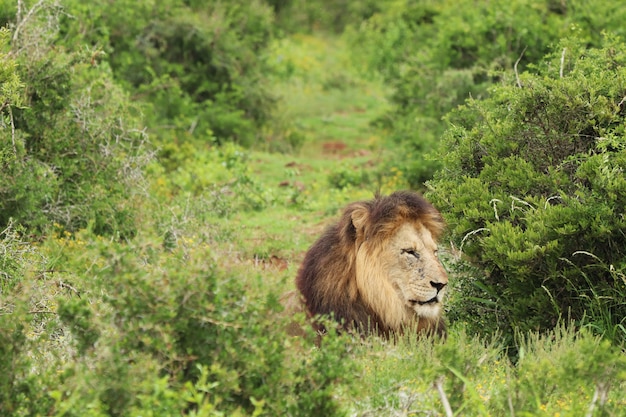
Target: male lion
<point>377,268</point>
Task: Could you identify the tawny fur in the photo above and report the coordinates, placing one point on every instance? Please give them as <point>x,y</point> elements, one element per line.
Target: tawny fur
<point>345,273</point>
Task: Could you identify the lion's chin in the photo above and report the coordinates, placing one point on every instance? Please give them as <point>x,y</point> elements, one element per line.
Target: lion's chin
<point>433,300</point>
<point>430,309</point>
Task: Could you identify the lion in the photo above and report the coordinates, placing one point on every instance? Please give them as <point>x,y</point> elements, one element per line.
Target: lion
<point>377,268</point>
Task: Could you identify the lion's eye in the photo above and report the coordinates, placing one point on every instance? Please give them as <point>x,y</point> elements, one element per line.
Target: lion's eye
<point>412,253</point>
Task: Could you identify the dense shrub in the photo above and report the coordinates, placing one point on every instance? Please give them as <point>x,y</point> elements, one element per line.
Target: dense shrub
<point>161,327</point>
<point>144,329</point>
<point>534,191</point>
<point>22,309</point>
<point>71,145</point>
<point>198,66</point>
<point>324,15</point>
<point>437,54</point>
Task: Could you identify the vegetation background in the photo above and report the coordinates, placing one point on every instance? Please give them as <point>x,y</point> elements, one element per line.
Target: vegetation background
<point>166,164</point>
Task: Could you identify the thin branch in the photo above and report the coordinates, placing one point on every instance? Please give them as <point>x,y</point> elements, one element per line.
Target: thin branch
<point>473,232</point>
<point>18,15</point>
<point>12,131</point>
<point>41,312</point>
<point>509,397</point>
<point>519,83</point>
<point>444,398</point>
<point>562,62</point>
<point>21,21</point>
<point>495,207</point>
<point>69,287</point>
<point>600,394</point>
<point>219,323</point>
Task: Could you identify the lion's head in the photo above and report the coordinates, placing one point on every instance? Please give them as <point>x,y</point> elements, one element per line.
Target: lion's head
<point>377,268</point>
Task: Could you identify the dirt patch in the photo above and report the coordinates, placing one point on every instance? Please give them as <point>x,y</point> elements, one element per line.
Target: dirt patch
<point>334,147</point>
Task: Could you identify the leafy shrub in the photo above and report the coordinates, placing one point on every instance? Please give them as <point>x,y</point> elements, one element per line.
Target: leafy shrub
<point>220,173</point>
<point>23,363</point>
<point>347,176</point>
<point>198,66</point>
<point>534,191</point>
<point>71,151</point>
<point>437,54</point>
<point>167,313</point>
<point>14,254</point>
<point>326,15</point>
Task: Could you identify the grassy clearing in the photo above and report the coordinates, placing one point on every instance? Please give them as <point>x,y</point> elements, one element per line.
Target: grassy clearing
<point>326,102</point>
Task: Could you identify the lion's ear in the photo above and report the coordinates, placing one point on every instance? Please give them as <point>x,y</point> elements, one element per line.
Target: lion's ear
<point>360,217</point>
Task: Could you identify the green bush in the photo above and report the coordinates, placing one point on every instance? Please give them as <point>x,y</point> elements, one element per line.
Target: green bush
<point>534,191</point>
<point>437,54</point>
<point>197,66</point>
<point>323,15</point>
<point>22,386</point>
<point>81,155</point>
<point>346,176</point>
<point>72,149</point>
<point>169,313</point>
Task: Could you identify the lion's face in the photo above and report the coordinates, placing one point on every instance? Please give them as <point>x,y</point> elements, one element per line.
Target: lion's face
<point>378,266</point>
<point>401,277</point>
<point>415,272</point>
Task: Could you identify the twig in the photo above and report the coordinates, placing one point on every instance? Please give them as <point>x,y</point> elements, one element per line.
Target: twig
<point>519,83</point>
<point>41,312</point>
<point>519,200</point>
<point>21,21</point>
<point>562,62</point>
<point>220,323</point>
<point>510,401</point>
<point>444,398</point>
<point>473,232</point>
<point>18,15</point>
<point>554,197</point>
<point>68,286</point>
<point>600,393</point>
<point>10,110</point>
<point>495,208</point>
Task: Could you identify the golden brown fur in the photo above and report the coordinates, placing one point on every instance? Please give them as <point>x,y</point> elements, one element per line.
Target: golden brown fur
<point>377,268</point>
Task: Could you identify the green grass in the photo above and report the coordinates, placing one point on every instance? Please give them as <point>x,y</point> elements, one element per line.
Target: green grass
<point>323,94</point>
<point>558,376</point>
<point>323,99</point>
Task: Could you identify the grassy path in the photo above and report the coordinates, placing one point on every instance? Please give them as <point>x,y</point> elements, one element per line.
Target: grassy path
<point>329,106</point>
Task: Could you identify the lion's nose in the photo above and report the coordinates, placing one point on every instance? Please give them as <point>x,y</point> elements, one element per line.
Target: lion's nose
<point>438,285</point>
